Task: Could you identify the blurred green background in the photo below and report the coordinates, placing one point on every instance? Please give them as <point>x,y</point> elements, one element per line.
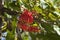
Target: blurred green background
<point>48,19</point>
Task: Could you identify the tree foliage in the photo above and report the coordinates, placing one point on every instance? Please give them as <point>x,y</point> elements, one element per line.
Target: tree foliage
<point>46,17</point>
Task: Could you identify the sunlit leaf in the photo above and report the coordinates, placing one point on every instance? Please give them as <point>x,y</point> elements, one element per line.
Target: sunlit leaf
<point>52,16</point>
<point>57,29</point>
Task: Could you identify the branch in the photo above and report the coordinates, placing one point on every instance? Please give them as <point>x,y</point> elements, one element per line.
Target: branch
<point>0,4</point>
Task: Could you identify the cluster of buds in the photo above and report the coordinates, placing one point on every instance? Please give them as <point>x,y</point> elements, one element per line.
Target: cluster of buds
<point>25,19</point>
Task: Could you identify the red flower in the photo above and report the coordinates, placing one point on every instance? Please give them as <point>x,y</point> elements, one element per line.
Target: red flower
<point>22,26</point>
<point>26,16</point>
<point>33,29</point>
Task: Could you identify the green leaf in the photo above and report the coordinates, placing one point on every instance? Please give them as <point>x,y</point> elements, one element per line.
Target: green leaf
<point>47,27</point>
<point>14,6</point>
<point>39,10</point>
<point>10,36</point>
<point>52,16</point>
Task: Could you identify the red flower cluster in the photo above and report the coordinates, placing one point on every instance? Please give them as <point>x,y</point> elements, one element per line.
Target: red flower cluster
<point>26,17</point>
<point>28,28</point>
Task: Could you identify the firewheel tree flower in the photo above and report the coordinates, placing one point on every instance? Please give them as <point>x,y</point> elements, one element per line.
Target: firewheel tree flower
<point>27,18</point>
